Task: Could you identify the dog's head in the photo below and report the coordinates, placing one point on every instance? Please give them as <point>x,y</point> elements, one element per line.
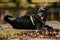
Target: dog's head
<point>39,10</point>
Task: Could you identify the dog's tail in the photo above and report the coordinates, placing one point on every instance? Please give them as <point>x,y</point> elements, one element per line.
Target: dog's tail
<point>6,18</point>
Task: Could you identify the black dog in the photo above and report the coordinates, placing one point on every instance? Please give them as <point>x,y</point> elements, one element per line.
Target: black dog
<point>24,22</point>
<point>27,22</point>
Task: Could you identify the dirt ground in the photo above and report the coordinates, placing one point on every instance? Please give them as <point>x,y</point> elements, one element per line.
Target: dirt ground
<point>54,24</point>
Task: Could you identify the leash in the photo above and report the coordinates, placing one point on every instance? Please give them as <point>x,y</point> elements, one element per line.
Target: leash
<point>31,18</point>
<point>33,23</point>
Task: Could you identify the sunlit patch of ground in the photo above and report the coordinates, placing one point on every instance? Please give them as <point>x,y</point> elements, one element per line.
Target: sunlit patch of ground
<point>54,24</point>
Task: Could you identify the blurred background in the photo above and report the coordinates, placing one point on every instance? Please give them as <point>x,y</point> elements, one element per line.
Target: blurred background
<point>22,7</point>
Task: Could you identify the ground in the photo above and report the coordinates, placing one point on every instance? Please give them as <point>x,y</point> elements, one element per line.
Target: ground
<point>8,28</point>
<point>54,24</point>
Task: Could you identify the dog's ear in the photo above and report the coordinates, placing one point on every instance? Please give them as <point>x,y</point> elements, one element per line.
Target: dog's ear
<point>38,10</point>
<point>35,10</point>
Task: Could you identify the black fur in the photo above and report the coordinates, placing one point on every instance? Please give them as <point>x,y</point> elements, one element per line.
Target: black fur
<point>25,22</point>
<point>22,22</point>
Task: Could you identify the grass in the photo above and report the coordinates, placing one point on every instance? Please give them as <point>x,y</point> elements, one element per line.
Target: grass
<point>2,33</point>
<point>11,34</point>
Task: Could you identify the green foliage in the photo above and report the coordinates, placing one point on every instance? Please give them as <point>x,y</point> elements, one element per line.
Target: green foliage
<point>11,33</point>
<point>2,33</point>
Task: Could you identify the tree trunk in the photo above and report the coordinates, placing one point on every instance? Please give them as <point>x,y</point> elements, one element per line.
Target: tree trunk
<point>2,18</point>
<point>5,12</point>
<point>52,16</point>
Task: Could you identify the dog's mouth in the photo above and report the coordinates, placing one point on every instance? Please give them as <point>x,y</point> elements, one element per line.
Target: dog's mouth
<point>40,15</point>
